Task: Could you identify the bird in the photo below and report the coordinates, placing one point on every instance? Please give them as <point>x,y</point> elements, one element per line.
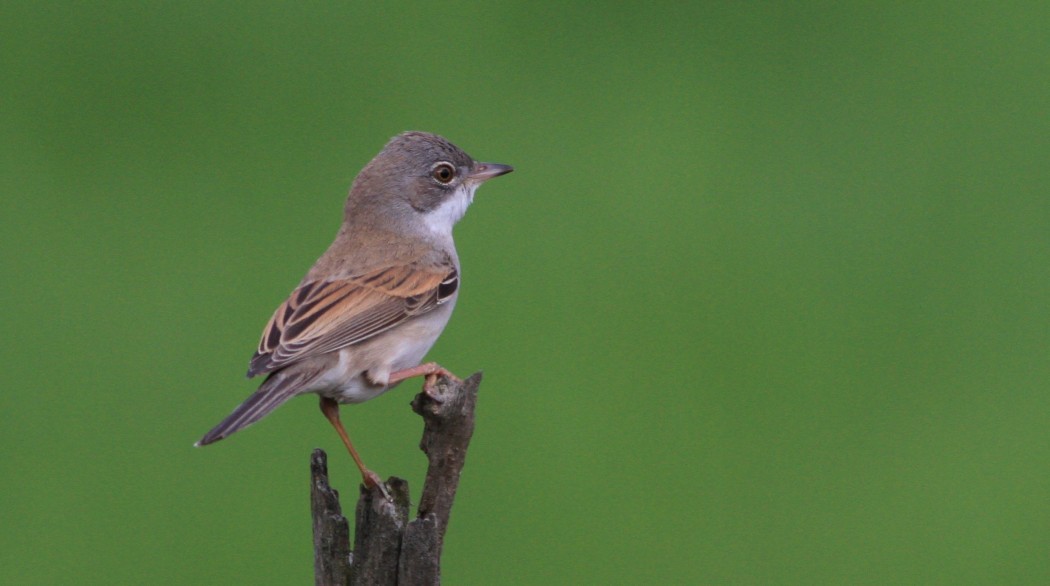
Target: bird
<point>372,306</point>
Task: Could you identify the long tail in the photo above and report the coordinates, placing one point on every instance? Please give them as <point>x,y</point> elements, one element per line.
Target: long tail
<point>275,390</point>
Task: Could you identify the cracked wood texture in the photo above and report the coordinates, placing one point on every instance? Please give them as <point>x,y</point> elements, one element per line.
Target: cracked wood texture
<point>389,548</point>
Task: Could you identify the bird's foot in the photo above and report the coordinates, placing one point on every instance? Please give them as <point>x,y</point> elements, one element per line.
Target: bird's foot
<point>371,481</point>
<point>430,370</point>
<point>430,386</point>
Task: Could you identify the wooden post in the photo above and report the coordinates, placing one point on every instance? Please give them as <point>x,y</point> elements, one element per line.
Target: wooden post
<point>388,547</point>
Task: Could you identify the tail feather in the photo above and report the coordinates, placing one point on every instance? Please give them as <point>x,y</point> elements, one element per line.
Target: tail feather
<point>278,388</point>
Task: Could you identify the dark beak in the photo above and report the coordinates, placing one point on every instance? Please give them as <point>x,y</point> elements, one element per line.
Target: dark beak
<point>485,171</point>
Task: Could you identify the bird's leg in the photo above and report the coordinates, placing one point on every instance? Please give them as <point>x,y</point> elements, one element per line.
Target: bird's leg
<point>330,408</point>
<point>430,370</point>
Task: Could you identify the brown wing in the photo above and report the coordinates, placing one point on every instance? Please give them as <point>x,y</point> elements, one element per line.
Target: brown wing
<point>323,316</point>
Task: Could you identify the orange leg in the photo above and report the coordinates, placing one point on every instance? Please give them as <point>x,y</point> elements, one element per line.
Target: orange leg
<point>431,370</point>
<point>331,410</point>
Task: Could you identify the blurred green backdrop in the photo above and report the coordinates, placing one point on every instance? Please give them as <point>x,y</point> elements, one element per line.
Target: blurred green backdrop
<point>766,301</point>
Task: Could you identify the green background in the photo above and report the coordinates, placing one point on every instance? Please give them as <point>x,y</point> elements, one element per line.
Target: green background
<point>765,302</point>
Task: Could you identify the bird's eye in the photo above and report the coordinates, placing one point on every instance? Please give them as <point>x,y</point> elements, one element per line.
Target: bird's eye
<point>443,173</point>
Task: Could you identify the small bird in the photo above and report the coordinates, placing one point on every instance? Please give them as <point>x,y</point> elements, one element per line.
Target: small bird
<point>371,307</point>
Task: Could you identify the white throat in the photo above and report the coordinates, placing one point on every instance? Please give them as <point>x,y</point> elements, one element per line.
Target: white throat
<point>441,219</point>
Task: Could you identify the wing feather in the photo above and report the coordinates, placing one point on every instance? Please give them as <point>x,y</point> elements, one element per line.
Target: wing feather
<point>324,316</point>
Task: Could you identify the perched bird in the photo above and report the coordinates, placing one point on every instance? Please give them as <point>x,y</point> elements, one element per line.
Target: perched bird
<point>375,302</point>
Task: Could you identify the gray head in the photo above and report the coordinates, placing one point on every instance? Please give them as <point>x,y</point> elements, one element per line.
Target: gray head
<point>419,178</point>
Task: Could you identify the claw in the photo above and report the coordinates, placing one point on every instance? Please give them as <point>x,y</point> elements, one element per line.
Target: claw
<point>430,388</point>
<point>430,369</point>
<point>371,480</point>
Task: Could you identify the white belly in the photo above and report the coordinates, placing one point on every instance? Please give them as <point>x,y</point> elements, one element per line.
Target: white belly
<point>363,369</point>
